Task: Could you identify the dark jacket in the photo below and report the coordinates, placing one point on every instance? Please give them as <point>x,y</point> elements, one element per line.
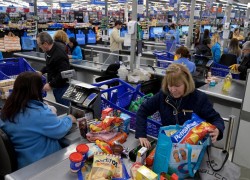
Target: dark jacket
<point>244,65</point>
<point>56,61</point>
<point>196,102</point>
<point>203,50</point>
<point>63,46</point>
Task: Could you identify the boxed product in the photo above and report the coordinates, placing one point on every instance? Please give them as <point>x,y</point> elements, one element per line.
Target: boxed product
<point>143,173</point>
<point>141,155</point>
<point>126,122</point>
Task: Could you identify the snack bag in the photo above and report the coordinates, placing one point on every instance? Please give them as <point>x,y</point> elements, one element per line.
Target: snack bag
<point>192,131</point>
<point>103,146</point>
<point>134,169</point>
<point>106,125</point>
<point>105,166</point>
<point>93,148</point>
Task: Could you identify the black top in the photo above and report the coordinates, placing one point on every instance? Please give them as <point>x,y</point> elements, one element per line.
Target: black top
<point>244,65</point>
<point>56,61</point>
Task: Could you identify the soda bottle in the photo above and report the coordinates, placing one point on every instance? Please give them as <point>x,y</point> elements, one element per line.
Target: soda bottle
<point>82,123</point>
<point>133,153</point>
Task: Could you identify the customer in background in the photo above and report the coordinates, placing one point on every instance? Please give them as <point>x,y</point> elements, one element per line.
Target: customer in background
<point>74,49</point>
<point>62,39</point>
<point>216,51</point>
<point>245,63</point>
<point>237,34</point>
<point>204,48</point>
<point>183,56</point>
<point>197,36</point>
<point>206,35</point>
<point>56,61</point>
<point>233,48</point>
<point>115,39</point>
<point>176,102</point>
<point>33,128</point>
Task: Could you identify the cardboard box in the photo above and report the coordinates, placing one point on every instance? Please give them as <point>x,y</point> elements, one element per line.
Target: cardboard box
<point>143,173</point>
<point>141,155</point>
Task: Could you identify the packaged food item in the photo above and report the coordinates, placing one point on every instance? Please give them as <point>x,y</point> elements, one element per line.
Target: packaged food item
<point>92,137</point>
<point>192,131</point>
<point>150,158</point>
<point>107,112</point>
<point>164,176</point>
<point>103,146</point>
<point>133,152</point>
<point>93,148</point>
<point>126,123</point>
<point>141,155</point>
<point>120,137</point>
<point>134,169</point>
<point>106,125</point>
<point>83,149</point>
<point>83,127</point>
<point>117,149</point>
<point>143,173</point>
<point>75,161</point>
<point>105,166</point>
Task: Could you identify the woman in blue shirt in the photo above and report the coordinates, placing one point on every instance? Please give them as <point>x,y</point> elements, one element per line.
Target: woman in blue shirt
<point>183,56</point>
<point>75,49</point>
<point>33,128</point>
<point>216,51</point>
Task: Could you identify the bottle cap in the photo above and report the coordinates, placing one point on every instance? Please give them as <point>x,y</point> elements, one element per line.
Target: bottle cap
<point>75,157</point>
<point>82,148</point>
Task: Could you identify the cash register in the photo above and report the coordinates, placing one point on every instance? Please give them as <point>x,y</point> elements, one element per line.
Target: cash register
<point>203,64</point>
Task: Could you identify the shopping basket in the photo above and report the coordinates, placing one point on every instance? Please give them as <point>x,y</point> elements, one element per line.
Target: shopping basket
<point>222,70</point>
<point>12,67</point>
<point>163,58</point>
<point>119,98</point>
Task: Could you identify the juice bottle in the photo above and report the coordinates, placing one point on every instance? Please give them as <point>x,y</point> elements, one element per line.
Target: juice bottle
<point>227,83</point>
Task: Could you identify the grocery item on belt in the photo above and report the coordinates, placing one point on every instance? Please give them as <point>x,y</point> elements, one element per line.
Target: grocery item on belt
<point>92,137</point>
<point>103,146</point>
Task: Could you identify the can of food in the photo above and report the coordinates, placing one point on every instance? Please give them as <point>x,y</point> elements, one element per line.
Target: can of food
<point>75,161</point>
<point>83,149</point>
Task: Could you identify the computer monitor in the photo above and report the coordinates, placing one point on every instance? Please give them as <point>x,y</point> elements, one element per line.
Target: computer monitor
<point>51,33</point>
<point>184,29</point>
<point>155,30</point>
<point>207,27</point>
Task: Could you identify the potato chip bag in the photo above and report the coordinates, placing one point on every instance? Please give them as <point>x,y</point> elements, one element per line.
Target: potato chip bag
<point>192,131</point>
<point>105,166</point>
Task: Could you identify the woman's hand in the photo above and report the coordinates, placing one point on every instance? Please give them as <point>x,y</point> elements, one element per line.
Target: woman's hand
<point>144,142</point>
<point>214,135</point>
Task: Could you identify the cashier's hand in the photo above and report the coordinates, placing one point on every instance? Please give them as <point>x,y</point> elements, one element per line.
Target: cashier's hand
<point>47,87</point>
<point>73,119</point>
<point>144,142</point>
<point>214,135</point>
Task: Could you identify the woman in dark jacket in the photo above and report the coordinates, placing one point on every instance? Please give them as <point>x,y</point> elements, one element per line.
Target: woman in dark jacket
<point>62,40</point>
<point>176,102</point>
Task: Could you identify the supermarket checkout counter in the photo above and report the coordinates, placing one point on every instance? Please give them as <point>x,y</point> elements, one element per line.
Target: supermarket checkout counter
<point>57,165</point>
<point>226,103</point>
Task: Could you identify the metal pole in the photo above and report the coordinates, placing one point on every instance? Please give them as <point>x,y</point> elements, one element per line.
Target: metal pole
<point>248,13</point>
<point>147,6</point>
<point>178,13</point>
<point>191,24</point>
<point>228,20</point>
<point>133,37</point>
<point>229,132</point>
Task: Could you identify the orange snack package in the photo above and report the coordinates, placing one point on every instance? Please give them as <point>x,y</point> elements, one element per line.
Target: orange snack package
<point>103,146</point>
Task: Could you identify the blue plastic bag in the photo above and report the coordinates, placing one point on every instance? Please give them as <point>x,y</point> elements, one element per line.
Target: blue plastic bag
<point>181,159</point>
<point>70,34</point>
<point>27,42</point>
<point>80,37</point>
<point>1,56</point>
<point>91,37</point>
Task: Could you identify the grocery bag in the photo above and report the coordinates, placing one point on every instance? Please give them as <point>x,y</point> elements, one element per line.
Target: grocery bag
<point>27,42</point>
<point>91,37</point>
<point>181,159</point>
<point>80,37</point>
<point>70,34</point>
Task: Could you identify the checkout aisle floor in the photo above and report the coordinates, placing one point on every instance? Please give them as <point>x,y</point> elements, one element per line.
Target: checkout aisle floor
<point>245,173</point>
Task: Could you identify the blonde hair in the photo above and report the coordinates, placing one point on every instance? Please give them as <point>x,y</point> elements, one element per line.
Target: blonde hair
<point>176,74</point>
<point>60,35</point>
<point>215,38</point>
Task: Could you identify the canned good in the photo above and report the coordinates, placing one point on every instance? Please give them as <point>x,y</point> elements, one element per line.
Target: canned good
<point>75,161</point>
<point>83,149</point>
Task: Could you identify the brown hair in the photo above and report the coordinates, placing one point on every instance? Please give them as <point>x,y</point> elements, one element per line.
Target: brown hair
<point>176,74</point>
<point>28,86</point>
<point>234,47</point>
<point>60,35</point>
<point>183,51</point>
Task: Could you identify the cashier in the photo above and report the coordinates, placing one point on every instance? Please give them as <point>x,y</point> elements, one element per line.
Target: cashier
<point>32,126</point>
<point>245,63</point>
<point>176,102</point>
<point>76,52</point>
